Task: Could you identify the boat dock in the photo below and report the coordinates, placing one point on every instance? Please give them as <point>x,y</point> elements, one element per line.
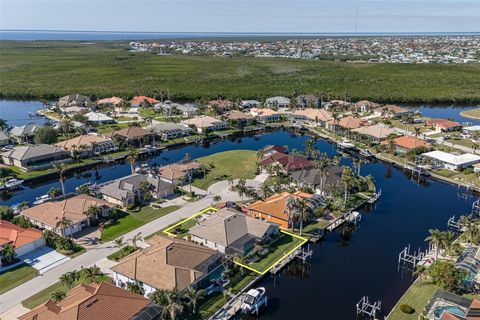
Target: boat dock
<point>301,253</point>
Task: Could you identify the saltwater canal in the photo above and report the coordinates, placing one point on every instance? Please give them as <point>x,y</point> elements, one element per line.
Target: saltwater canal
<point>343,269</point>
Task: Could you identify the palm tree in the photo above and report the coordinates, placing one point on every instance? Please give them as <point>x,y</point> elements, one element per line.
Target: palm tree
<point>174,303</point>
<point>91,273</point>
<point>303,212</point>
<point>8,253</point>
<point>63,224</point>
<point>448,241</point>
<point>436,240</point>
<point>119,243</point>
<point>69,279</point>
<point>241,188</point>
<point>93,212</point>
<point>291,211</point>
<point>217,198</point>
<point>322,165</point>
<point>132,158</point>
<point>265,190</point>
<point>135,238</point>
<point>260,154</point>
<point>136,287</point>
<point>58,295</point>
<point>417,131</point>
<point>193,297</point>
<point>54,192</point>
<point>348,182</point>
<point>469,226</point>
<point>61,170</point>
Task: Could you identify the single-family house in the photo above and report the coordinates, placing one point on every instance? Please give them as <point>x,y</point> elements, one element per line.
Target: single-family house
<point>73,110</point>
<point>4,138</point>
<point>24,240</point>
<point>318,117</point>
<point>130,189</point>
<point>265,115</point>
<point>238,118</point>
<point>48,214</point>
<point>205,124</point>
<point>231,232</point>
<point>96,301</point>
<point>169,130</point>
<point>277,102</point>
<point>142,101</point>
<point>287,162</point>
<point>307,101</point>
<point>87,145</point>
<point>274,208</point>
<point>440,159</point>
<point>74,100</point>
<point>344,124</point>
<point>220,105</point>
<point>110,102</point>
<point>98,118</point>
<point>392,111</point>
<point>177,173</point>
<point>404,144</point>
<point>248,104</point>
<point>169,108</point>
<point>167,264</point>
<point>35,157</point>
<point>376,133</point>
<point>443,125</point>
<point>473,132</point>
<point>24,133</point>
<point>364,106</point>
<point>133,135</point>
<point>268,150</point>
<point>315,179</point>
<point>444,305</point>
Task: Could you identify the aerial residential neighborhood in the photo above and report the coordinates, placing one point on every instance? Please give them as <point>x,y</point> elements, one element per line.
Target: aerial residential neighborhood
<point>221,160</point>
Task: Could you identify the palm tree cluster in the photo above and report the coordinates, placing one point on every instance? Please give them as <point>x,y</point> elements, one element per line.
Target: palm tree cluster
<point>175,302</point>
<point>442,240</point>
<point>298,211</point>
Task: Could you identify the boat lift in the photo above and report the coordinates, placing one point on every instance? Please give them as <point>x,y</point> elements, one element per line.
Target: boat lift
<point>476,208</point>
<point>409,260</point>
<point>367,309</point>
<point>453,225</point>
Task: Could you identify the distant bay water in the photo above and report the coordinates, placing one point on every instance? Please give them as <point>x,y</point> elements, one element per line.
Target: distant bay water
<point>29,35</point>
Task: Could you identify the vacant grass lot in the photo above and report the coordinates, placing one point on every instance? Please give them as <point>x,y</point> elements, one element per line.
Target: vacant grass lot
<point>53,69</point>
<point>134,220</point>
<point>235,164</point>
<point>15,277</point>
<point>278,250</point>
<point>417,297</point>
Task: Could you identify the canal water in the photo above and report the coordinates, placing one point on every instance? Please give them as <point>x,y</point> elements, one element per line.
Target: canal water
<point>344,267</point>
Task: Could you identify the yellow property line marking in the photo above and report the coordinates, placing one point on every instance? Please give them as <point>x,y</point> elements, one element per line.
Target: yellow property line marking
<point>167,231</point>
<point>304,240</point>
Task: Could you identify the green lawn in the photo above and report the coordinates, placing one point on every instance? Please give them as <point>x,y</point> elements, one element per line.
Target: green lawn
<point>104,69</point>
<point>133,220</point>
<point>15,277</point>
<point>278,249</point>
<point>18,173</point>
<point>229,164</point>
<point>474,113</point>
<point>42,296</point>
<point>417,297</point>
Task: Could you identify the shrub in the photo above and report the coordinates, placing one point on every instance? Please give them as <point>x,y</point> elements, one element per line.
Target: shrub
<point>407,309</point>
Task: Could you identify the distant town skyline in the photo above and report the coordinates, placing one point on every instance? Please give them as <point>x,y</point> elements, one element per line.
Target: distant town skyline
<point>340,16</point>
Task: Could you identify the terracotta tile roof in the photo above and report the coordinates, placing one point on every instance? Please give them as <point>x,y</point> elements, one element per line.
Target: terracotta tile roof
<point>314,114</point>
<point>132,133</point>
<point>83,140</point>
<point>276,204</point>
<point>139,99</point>
<point>377,131</point>
<point>167,263</point>
<point>113,100</point>
<point>390,108</point>
<point>348,122</point>
<point>288,162</point>
<point>408,142</point>
<point>17,236</point>
<point>238,115</point>
<point>442,123</point>
<point>73,208</point>
<point>257,112</point>
<point>91,302</point>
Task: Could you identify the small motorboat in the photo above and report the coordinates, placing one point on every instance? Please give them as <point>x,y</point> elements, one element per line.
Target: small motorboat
<point>366,153</point>
<point>42,199</point>
<point>254,300</point>
<point>346,145</point>
<point>13,184</point>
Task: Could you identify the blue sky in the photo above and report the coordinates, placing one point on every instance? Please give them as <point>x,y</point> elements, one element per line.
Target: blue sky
<point>242,16</point>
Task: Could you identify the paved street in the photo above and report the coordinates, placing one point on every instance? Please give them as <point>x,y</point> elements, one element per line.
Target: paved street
<point>12,298</point>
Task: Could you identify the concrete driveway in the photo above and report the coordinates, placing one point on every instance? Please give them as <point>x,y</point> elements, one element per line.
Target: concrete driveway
<point>44,259</point>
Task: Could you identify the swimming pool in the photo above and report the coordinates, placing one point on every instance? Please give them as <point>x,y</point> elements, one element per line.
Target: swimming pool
<point>452,309</point>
